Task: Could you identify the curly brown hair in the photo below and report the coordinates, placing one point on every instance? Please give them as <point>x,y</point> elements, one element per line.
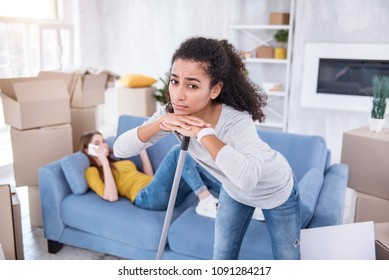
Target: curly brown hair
<point>223,64</point>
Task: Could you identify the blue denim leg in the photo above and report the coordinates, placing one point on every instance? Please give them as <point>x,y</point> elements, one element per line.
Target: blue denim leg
<point>210,181</point>
<point>234,217</point>
<point>284,224</point>
<point>155,196</point>
<point>231,224</point>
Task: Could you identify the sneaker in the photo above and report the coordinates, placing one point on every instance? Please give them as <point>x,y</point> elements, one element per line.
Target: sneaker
<point>258,215</point>
<point>208,207</point>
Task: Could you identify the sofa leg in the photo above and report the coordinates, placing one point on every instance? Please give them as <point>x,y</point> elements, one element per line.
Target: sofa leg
<point>54,246</point>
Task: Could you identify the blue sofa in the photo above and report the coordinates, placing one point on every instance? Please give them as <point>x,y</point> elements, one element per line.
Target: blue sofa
<point>74,215</point>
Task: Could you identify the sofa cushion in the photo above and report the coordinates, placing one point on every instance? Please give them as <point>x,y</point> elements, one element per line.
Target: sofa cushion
<point>309,189</point>
<point>73,167</point>
<point>120,220</point>
<point>193,235</point>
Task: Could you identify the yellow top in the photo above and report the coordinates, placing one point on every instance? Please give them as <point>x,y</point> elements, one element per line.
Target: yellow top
<point>129,181</point>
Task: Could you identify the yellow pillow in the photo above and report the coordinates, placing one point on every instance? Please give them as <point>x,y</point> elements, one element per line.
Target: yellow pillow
<point>136,80</point>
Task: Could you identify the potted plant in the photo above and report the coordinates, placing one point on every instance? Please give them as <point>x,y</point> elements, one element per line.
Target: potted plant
<point>379,100</point>
<point>160,95</point>
<point>281,38</point>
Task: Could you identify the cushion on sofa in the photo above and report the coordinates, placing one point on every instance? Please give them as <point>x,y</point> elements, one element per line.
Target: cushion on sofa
<point>73,167</point>
<point>309,190</point>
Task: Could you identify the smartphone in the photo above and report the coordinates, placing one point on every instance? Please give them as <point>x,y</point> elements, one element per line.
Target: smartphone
<point>92,149</point>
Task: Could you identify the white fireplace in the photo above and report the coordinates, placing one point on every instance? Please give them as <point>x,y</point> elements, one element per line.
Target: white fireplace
<point>338,76</point>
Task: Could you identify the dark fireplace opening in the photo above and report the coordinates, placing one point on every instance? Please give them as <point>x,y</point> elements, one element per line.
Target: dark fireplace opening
<point>349,76</point>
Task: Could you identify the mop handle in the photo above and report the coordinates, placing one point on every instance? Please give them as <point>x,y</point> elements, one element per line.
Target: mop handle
<point>173,195</point>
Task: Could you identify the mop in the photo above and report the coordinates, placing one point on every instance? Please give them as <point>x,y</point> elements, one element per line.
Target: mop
<point>173,195</point>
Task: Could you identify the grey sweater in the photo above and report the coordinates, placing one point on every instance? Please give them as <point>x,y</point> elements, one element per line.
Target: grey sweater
<point>249,170</point>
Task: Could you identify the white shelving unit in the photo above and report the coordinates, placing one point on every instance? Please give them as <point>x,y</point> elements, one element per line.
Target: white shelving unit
<point>249,29</point>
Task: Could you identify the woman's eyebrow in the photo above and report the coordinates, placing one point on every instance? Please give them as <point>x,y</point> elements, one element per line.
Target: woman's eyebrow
<point>193,79</point>
<point>187,78</point>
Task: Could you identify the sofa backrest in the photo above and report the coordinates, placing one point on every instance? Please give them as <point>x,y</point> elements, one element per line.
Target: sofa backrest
<point>303,152</point>
<point>156,152</point>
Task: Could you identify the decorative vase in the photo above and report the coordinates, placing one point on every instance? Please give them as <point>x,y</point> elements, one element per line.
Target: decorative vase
<point>376,125</point>
<point>280,53</point>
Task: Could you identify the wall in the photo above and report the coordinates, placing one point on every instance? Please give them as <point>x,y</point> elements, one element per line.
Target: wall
<point>141,35</point>
<point>128,36</point>
<point>333,21</point>
<point>88,34</point>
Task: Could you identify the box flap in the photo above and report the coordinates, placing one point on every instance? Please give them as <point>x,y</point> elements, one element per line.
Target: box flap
<point>89,91</point>
<point>40,90</point>
<point>92,82</point>
<point>6,86</point>
<point>67,77</point>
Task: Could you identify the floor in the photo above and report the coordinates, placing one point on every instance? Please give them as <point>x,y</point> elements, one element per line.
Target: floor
<point>35,245</point>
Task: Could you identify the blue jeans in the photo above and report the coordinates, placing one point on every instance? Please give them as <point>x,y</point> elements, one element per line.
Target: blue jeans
<point>283,223</point>
<point>155,196</point>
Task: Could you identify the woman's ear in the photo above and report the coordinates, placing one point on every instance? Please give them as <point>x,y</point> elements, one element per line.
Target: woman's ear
<point>216,89</point>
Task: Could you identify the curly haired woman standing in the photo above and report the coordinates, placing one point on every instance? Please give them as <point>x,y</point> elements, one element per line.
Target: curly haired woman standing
<point>213,102</point>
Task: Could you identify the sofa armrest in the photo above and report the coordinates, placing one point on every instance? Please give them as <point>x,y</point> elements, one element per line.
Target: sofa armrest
<point>309,188</point>
<point>53,188</point>
<point>329,208</point>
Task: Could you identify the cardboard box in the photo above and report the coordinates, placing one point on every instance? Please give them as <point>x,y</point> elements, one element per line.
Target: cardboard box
<point>11,225</point>
<point>85,90</point>
<point>354,241</point>
<point>371,208</point>
<point>136,101</point>
<point>33,148</point>
<point>17,218</point>
<point>83,120</point>
<point>367,155</point>
<point>382,240</point>
<point>90,91</point>
<point>279,18</point>
<point>34,204</point>
<point>71,80</point>
<point>32,102</point>
<point>264,52</point>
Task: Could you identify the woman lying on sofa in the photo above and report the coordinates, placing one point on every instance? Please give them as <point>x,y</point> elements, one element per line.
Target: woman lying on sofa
<point>110,178</point>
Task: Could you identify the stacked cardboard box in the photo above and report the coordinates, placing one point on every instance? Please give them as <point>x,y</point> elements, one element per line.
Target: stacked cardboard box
<point>136,101</point>
<point>86,92</point>
<point>367,155</point>
<point>37,110</point>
